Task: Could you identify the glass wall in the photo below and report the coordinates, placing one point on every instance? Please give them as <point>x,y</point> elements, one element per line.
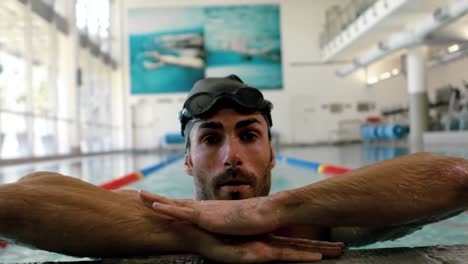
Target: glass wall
<point>13,89</point>
<point>93,18</point>
<point>38,103</point>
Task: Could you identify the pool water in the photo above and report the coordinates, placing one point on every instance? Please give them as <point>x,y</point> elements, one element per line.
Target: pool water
<point>172,181</point>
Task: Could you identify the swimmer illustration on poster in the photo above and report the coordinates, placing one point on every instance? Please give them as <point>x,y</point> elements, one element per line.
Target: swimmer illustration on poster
<point>172,48</point>
<point>245,40</point>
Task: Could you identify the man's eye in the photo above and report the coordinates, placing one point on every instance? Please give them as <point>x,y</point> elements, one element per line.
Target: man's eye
<point>248,136</point>
<point>211,139</point>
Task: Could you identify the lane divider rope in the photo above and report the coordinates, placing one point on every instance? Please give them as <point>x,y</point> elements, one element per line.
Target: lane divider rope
<point>322,168</point>
<point>138,175</point>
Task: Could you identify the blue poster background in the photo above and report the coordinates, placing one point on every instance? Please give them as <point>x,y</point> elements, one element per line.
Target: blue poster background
<point>172,48</point>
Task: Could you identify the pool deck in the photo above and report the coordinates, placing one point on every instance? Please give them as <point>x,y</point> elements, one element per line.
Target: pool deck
<point>428,255</point>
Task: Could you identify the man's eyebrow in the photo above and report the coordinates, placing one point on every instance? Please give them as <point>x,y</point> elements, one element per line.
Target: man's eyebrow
<point>212,125</point>
<point>247,122</point>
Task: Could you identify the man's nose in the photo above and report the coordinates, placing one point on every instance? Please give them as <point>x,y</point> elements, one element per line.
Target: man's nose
<point>232,156</point>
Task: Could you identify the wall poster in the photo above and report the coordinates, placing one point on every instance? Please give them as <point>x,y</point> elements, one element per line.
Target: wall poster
<point>172,48</point>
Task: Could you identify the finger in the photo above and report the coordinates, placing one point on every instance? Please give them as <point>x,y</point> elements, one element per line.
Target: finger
<point>329,252</point>
<point>181,213</point>
<point>255,249</point>
<point>256,252</point>
<point>144,197</point>
<point>148,197</point>
<point>290,255</point>
<point>327,249</point>
<point>308,241</point>
<point>151,197</point>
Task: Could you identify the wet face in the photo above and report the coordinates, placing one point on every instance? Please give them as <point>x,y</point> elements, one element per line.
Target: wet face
<point>230,156</point>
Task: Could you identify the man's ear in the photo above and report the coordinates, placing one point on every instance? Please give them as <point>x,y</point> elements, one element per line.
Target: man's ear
<point>188,163</point>
<point>273,157</point>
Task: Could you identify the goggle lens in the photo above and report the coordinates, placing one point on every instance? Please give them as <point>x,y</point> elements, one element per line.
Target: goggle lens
<point>200,103</point>
<point>250,97</point>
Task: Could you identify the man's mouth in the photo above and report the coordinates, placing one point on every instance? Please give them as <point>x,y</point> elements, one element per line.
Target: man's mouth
<point>235,185</point>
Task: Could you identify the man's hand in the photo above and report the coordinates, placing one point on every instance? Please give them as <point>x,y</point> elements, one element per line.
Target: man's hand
<point>221,248</point>
<point>175,236</point>
<point>266,248</point>
<point>255,222</point>
<point>232,217</point>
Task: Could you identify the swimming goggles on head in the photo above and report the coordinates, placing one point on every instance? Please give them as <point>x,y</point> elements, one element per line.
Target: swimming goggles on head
<point>243,97</point>
<point>201,103</point>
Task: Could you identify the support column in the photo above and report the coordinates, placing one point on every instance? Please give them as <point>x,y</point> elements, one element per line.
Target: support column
<point>74,41</point>
<point>129,139</point>
<point>53,79</point>
<point>117,88</point>
<point>418,99</point>
<point>28,64</point>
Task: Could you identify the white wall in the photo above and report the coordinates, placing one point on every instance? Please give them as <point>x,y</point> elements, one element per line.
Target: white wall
<point>298,115</point>
<point>453,73</point>
<point>393,91</point>
<point>305,87</point>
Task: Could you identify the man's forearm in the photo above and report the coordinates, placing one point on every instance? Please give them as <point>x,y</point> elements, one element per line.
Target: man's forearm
<point>7,204</point>
<point>66,215</point>
<point>392,192</point>
<point>362,236</point>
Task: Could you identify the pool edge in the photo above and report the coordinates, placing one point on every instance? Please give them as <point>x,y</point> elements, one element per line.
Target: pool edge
<point>431,254</point>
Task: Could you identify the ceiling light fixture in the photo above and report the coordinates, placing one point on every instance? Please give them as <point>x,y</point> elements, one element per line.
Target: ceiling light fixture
<point>385,75</point>
<point>453,48</point>
<point>372,80</point>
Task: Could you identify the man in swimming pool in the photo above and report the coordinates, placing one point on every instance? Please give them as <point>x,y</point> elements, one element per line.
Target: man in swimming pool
<point>226,125</point>
<point>66,215</point>
<point>230,156</point>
